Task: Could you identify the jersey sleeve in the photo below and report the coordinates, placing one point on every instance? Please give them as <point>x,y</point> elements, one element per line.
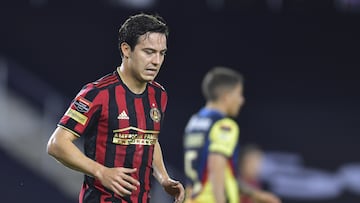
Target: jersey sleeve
<point>224,135</point>
<point>84,110</point>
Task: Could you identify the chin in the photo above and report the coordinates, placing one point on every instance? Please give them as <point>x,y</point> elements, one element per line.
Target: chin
<point>148,78</point>
<point>235,114</point>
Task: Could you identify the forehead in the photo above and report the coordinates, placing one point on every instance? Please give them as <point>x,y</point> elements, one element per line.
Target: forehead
<point>152,40</point>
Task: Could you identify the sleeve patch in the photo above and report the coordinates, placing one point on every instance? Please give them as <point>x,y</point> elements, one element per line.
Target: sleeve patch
<point>224,137</point>
<point>82,105</point>
<point>79,117</point>
<point>225,128</point>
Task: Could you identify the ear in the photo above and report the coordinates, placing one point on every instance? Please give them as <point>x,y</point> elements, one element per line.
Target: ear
<point>226,97</point>
<point>125,49</point>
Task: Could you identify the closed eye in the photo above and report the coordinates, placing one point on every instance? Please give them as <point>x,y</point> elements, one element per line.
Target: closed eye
<point>149,51</point>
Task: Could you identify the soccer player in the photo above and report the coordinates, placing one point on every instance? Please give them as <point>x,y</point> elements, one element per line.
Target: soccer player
<point>211,143</point>
<point>120,117</point>
<point>249,168</point>
<point>251,157</point>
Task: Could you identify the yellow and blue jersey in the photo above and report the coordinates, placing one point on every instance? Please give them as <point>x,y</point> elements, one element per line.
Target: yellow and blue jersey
<point>209,131</point>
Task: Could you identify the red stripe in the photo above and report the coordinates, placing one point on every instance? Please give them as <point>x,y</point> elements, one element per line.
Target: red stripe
<point>105,81</point>
<point>84,91</point>
<point>103,197</point>
<point>120,96</point>
<point>140,114</point>
<point>141,123</point>
<point>205,175</point>
<point>64,120</point>
<point>163,101</point>
<point>153,104</point>
<point>108,83</point>
<point>145,197</point>
<point>82,192</point>
<point>149,166</point>
<point>80,127</point>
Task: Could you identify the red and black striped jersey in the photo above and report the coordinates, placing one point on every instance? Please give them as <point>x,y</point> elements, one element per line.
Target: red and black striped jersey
<point>120,129</point>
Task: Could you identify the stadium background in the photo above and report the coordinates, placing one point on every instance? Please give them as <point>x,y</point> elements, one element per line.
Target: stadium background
<point>300,59</point>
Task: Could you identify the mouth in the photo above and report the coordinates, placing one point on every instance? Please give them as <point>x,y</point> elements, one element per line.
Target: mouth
<point>150,71</point>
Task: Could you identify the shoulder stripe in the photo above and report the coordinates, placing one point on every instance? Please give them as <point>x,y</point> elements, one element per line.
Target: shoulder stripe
<point>106,80</point>
<point>156,84</point>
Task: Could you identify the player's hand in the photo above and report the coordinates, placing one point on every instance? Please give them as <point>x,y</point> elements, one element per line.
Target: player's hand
<point>266,197</point>
<point>175,189</point>
<point>119,180</point>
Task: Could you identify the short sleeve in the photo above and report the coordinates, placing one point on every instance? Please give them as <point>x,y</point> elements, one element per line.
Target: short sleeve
<point>224,136</point>
<point>83,112</point>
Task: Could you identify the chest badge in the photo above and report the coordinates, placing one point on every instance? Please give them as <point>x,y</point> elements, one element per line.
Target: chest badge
<point>155,114</point>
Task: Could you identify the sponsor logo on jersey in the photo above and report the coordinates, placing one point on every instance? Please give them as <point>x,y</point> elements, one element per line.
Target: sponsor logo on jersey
<point>78,117</point>
<point>123,116</point>
<point>140,137</point>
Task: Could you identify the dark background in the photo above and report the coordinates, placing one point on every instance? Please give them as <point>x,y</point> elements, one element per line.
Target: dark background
<point>300,63</point>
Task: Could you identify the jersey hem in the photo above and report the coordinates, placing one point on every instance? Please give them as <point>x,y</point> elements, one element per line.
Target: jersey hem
<point>65,128</point>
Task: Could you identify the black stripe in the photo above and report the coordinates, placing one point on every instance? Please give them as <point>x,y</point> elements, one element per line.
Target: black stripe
<point>70,124</point>
<point>91,132</point>
<point>130,150</point>
<point>113,111</point>
<point>91,94</point>
<point>92,195</point>
<point>113,200</point>
<point>90,141</point>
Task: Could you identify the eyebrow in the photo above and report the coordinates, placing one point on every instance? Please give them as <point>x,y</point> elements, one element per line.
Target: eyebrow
<point>154,50</point>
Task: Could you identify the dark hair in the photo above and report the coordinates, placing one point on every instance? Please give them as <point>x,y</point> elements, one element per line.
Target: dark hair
<point>218,79</point>
<point>138,25</point>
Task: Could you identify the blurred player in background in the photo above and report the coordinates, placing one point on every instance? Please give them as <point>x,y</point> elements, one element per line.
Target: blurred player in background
<point>249,169</point>
<point>211,143</point>
<point>120,117</point>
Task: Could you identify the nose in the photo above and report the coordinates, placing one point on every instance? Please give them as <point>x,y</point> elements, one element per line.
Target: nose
<point>243,101</point>
<point>156,60</point>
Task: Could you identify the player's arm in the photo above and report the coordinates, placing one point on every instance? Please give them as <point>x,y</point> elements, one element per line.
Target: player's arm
<point>265,197</point>
<point>246,189</point>
<point>257,194</point>
<point>62,148</point>
<point>172,187</point>
<point>216,163</point>
<point>223,139</point>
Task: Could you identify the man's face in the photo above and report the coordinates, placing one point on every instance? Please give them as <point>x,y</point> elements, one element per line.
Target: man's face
<point>148,55</point>
<point>235,99</point>
<point>251,164</point>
